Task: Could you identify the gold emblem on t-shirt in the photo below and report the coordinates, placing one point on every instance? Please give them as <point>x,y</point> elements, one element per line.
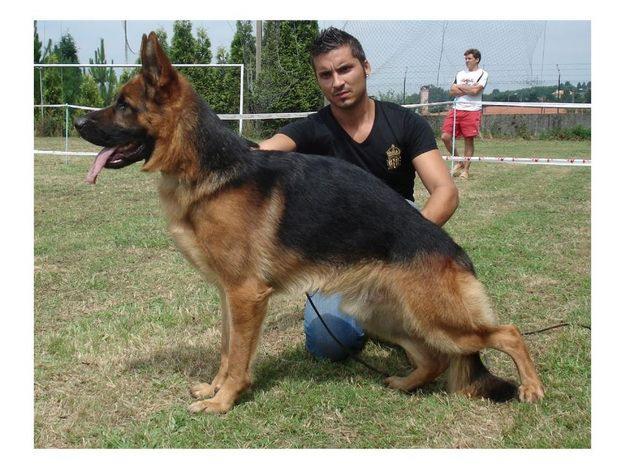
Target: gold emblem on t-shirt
<point>393,157</point>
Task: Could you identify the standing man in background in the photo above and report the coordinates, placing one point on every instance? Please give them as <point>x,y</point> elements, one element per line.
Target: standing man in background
<point>467,90</point>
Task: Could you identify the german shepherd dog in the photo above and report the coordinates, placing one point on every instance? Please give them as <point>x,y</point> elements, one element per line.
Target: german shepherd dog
<point>256,222</point>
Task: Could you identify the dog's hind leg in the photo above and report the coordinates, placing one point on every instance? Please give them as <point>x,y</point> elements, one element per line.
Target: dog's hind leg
<point>428,363</point>
<point>471,327</point>
<point>474,330</point>
<point>206,390</point>
<point>508,339</point>
<point>452,313</point>
<point>247,302</point>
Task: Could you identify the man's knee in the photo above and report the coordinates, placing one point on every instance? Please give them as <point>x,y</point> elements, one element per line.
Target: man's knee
<point>346,329</point>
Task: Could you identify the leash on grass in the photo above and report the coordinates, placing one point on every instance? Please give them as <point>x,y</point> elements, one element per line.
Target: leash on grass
<point>562,324</point>
<point>355,357</point>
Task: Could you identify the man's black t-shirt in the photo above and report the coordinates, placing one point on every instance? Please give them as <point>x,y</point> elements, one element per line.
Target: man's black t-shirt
<point>398,135</point>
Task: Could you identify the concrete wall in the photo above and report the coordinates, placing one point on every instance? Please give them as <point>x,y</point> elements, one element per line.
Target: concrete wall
<point>520,125</point>
<point>530,125</point>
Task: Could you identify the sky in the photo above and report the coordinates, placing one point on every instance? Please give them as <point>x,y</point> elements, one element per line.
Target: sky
<point>516,53</point>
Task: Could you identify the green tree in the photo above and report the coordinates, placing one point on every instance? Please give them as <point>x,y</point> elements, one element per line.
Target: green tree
<point>52,121</point>
<point>438,94</point>
<point>203,54</point>
<point>37,59</point>
<point>186,50</point>
<point>47,121</point>
<point>71,78</point>
<point>183,45</point>
<point>90,93</point>
<point>53,82</point>
<point>587,94</point>
<point>218,86</point>
<point>105,77</point>
<point>393,96</point>
<point>532,94</point>
<point>223,57</point>
<point>243,51</point>
<point>287,82</point>
<point>40,56</point>
<point>203,79</point>
<point>225,84</point>
<point>38,44</point>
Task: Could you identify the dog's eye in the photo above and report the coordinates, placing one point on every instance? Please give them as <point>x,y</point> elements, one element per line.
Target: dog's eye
<point>122,106</point>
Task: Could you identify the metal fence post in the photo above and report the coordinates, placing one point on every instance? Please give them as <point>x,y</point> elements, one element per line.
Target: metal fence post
<point>453,136</point>
<point>66,132</point>
<point>41,91</point>
<point>241,101</point>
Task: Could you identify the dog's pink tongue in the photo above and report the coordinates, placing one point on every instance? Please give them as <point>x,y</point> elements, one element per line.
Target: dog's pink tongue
<point>98,164</point>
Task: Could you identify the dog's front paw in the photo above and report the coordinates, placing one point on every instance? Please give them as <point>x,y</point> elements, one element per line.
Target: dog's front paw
<point>531,392</point>
<point>211,406</point>
<point>203,390</point>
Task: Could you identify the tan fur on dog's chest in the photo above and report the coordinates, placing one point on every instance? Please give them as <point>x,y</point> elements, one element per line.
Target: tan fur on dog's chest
<point>176,199</point>
<point>223,233</point>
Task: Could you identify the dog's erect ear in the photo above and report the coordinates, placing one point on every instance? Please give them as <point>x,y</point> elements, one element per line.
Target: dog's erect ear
<point>156,67</point>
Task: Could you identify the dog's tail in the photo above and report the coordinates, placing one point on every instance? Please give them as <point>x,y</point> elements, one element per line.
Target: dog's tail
<point>468,375</point>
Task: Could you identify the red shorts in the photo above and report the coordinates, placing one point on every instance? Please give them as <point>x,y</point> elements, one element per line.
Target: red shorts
<point>467,123</point>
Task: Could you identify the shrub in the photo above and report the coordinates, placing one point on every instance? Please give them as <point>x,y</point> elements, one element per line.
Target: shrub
<point>572,133</point>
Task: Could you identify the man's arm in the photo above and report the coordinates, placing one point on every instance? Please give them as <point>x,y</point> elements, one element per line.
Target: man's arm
<point>435,176</point>
<point>455,91</point>
<point>470,90</point>
<point>278,142</point>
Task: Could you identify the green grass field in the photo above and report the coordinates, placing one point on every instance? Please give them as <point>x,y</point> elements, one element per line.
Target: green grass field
<point>123,325</point>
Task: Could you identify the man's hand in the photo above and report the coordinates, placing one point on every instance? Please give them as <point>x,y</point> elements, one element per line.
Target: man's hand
<point>455,91</point>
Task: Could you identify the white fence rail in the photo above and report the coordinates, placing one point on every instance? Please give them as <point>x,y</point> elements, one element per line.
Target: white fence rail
<point>296,115</point>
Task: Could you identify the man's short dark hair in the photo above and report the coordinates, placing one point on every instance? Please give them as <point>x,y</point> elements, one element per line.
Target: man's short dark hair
<point>475,53</point>
<point>333,38</point>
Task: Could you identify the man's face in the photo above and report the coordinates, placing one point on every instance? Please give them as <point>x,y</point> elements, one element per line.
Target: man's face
<point>341,77</point>
<point>471,62</point>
